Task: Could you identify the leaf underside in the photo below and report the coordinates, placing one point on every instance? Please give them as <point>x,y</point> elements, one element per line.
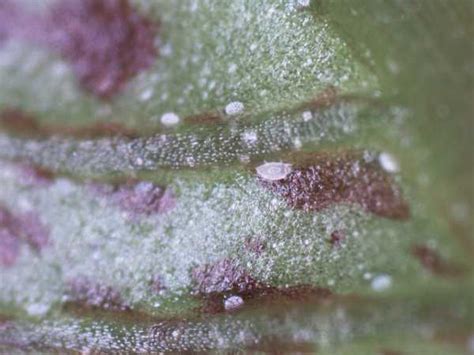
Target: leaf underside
<point>132,213</point>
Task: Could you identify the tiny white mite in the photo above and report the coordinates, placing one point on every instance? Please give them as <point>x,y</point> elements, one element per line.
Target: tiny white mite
<point>274,171</point>
<point>169,119</point>
<point>234,108</point>
<point>233,302</point>
<point>307,116</point>
<point>381,283</point>
<point>389,163</point>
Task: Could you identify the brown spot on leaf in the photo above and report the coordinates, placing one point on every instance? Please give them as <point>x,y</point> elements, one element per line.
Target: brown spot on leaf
<point>5,318</point>
<point>389,352</point>
<point>107,42</point>
<point>207,118</point>
<point>433,262</point>
<point>324,99</point>
<point>212,303</point>
<point>19,121</point>
<point>17,229</point>
<point>298,293</point>
<point>24,123</point>
<point>91,294</point>
<point>329,179</point>
<point>97,130</point>
<point>265,295</point>
<point>271,344</point>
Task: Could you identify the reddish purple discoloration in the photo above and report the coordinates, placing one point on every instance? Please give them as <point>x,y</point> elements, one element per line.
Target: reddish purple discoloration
<point>21,122</point>
<point>94,295</point>
<point>106,41</point>
<point>32,175</point>
<point>204,119</point>
<point>300,293</point>
<point>214,303</point>
<point>336,238</point>
<point>9,242</point>
<point>272,344</point>
<point>9,246</point>
<point>15,229</point>
<point>33,230</point>
<point>167,332</point>
<point>167,201</point>
<point>344,178</point>
<point>157,284</point>
<point>389,352</point>
<point>433,262</point>
<point>8,12</point>
<point>16,22</point>
<point>139,197</point>
<point>223,276</point>
<point>214,283</point>
<point>326,98</point>
<point>255,245</point>
<point>6,322</point>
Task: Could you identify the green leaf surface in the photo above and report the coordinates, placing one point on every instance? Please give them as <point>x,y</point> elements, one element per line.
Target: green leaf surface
<point>388,82</point>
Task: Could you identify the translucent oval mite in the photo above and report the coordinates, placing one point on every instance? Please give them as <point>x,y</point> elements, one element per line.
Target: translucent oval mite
<point>389,163</point>
<point>274,170</point>
<point>233,303</point>
<point>169,119</point>
<point>234,108</point>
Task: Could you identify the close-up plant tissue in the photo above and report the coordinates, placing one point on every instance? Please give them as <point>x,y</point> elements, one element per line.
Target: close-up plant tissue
<point>237,176</point>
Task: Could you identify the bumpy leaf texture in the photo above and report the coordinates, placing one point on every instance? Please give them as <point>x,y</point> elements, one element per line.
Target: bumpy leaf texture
<point>197,175</point>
